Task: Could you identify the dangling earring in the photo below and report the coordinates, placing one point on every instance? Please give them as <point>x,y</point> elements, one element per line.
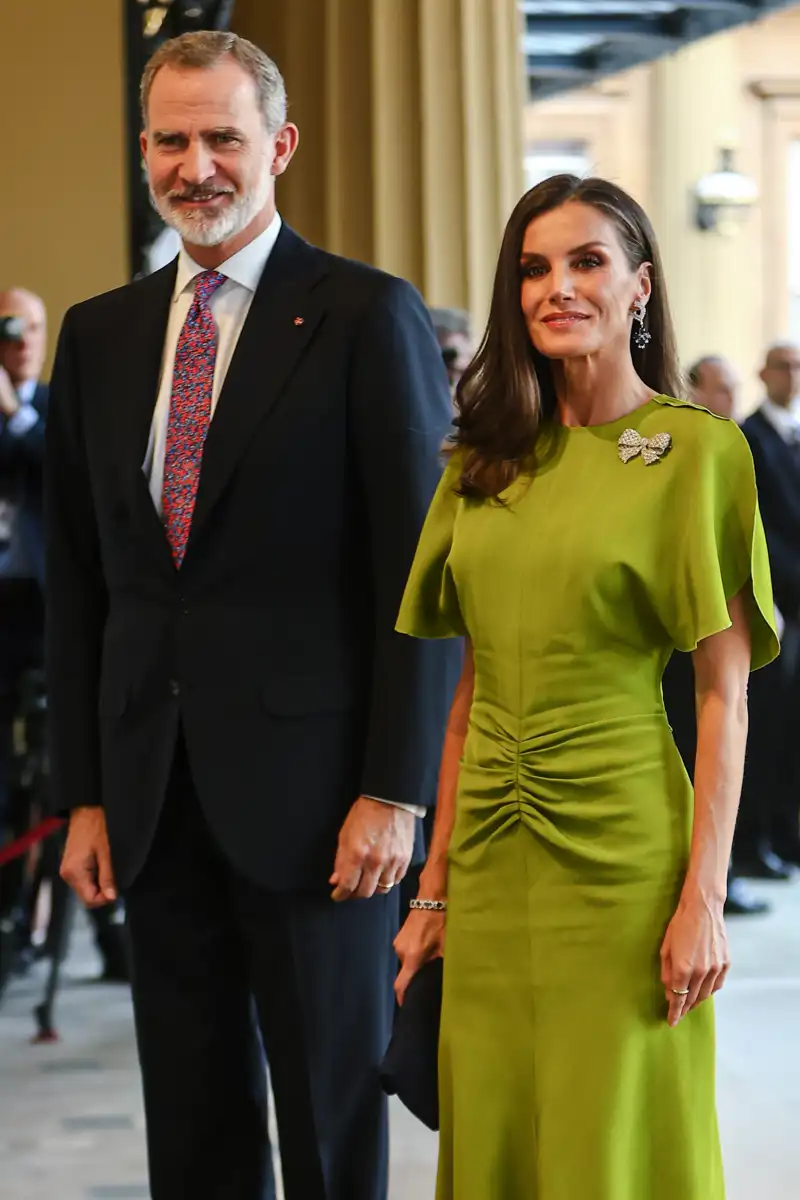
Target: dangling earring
<point>641,336</point>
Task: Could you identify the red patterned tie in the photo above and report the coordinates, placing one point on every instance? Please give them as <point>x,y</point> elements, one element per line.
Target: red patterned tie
<point>189,413</point>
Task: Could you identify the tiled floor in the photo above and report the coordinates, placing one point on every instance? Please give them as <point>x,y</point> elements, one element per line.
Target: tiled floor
<point>71,1120</point>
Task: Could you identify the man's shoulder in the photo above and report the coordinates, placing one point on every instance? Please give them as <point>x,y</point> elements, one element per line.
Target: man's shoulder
<point>114,304</point>
<point>362,278</point>
<point>755,419</point>
<point>757,427</point>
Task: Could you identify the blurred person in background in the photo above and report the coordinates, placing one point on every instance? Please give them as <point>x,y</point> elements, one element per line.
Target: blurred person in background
<point>453,329</point>
<point>715,384</point>
<point>24,399</point>
<point>768,838</point>
<point>23,409</point>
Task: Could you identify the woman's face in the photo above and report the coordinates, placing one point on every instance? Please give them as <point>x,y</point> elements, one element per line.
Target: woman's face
<point>578,288</point>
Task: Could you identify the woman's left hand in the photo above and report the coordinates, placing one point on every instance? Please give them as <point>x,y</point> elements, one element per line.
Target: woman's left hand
<point>694,955</point>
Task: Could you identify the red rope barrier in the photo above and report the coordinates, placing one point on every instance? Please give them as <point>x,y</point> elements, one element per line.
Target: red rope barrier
<point>22,844</point>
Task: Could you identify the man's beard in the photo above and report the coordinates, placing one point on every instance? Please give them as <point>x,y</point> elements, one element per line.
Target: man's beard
<point>200,228</point>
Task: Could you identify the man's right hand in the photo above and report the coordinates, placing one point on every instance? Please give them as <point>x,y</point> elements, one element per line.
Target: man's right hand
<point>86,865</point>
<point>9,402</point>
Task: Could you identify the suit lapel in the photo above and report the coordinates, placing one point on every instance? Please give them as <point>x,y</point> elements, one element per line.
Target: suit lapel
<point>41,399</point>
<point>270,346</point>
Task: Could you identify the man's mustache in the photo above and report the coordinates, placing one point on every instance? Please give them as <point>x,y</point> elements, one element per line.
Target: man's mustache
<point>198,193</point>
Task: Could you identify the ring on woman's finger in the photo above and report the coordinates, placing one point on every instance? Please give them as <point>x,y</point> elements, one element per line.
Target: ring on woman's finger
<point>675,992</point>
<point>384,888</point>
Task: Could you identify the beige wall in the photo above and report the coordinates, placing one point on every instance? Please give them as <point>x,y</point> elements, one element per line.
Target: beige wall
<point>656,130</point>
<point>63,226</point>
<point>399,165</point>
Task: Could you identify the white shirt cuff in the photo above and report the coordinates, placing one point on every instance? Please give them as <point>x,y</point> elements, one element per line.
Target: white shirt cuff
<point>416,809</point>
<point>23,419</point>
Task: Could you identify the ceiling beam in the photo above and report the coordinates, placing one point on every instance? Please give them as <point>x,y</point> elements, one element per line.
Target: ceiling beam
<point>561,66</point>
<point>621,40</point>
<point>736,8</point>
<point>658,43</point>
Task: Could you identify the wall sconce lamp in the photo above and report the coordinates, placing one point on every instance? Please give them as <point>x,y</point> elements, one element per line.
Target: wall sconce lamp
<point>723,197</point>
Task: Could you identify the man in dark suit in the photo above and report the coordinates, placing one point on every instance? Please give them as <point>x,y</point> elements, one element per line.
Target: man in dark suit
<point>23,410</point>
<point>768,837</point>
<point>23,420</point>
<point>241,451</point>
<point>715,386</point>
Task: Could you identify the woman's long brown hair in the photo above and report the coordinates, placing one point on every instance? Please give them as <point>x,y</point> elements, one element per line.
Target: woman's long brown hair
<point>508,390</point>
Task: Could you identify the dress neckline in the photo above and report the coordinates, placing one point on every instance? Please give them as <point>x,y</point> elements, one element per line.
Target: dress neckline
<point>627,418</point>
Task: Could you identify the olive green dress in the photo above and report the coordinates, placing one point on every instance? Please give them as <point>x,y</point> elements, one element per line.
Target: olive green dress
<point>559,1076</point>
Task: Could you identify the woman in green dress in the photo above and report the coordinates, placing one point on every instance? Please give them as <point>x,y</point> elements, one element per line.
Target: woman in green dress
<point>587,524</point>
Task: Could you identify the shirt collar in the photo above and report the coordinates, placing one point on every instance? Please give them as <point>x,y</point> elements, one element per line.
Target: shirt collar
<point>26,391</point>
<point>245,267</point>
<point>786,421</point>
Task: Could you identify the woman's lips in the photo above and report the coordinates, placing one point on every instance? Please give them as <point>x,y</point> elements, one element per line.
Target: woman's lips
<point>563,320</point>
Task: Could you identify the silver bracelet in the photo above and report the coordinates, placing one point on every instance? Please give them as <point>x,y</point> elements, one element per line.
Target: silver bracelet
<point>429,905</point>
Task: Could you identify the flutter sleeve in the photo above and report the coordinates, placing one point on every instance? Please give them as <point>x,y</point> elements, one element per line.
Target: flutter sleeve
<point>430,607</point>
<point>722,550</point>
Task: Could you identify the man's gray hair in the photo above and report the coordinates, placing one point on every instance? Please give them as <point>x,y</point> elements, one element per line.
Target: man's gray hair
<point>695,374</point>
<point>448,321</point>
<point>207,48</point>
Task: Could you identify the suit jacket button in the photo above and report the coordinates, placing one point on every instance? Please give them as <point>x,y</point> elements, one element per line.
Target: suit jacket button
<point>175,687</point>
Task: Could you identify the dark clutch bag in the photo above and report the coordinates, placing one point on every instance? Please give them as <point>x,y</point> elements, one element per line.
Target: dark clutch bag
<point>410,1068</point>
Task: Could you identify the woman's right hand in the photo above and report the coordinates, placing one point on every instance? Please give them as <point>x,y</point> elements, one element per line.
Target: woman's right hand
<point>420,940</point>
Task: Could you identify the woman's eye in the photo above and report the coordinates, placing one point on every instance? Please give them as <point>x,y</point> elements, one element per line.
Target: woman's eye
<point>590,260</point>
<point>533,271</point>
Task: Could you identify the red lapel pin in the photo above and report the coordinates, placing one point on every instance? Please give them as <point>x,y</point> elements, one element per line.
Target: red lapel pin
<point>299,320</point>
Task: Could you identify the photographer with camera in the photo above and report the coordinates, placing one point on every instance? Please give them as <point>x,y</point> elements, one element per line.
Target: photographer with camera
<point>453,329</point>
<point>23,417</point>
<point>23,410</point>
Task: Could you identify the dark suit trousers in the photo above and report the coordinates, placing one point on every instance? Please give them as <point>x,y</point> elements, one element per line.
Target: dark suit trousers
<point>215,959</point>
<point>21,626</point>
<point>770,807</point>
<point>768,813</point>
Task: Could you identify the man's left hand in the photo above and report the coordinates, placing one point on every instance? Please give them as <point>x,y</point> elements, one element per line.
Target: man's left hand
<point>375,847</point>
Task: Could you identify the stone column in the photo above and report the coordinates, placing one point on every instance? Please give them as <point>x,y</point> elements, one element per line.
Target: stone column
<point>410,113</point>
<point>700,105</point>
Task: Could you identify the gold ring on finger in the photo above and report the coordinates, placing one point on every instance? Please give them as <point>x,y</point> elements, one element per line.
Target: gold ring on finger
<point>675,992</point>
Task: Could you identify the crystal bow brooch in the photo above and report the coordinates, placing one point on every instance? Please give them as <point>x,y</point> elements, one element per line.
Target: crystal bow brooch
<point>651,449</point>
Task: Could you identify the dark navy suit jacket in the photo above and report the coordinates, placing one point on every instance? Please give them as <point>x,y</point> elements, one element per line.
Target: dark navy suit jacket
<point>273,646</point>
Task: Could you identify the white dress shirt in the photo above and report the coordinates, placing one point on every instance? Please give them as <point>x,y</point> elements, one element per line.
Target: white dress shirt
<point>26,415</point>
<point>229,305</point>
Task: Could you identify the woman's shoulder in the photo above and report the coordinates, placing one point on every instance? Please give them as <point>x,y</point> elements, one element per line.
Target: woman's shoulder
<point>691,425</point>
<point>453,458</point>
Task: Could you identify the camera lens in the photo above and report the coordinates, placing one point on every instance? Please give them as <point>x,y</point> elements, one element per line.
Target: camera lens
<point>12,329</point>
